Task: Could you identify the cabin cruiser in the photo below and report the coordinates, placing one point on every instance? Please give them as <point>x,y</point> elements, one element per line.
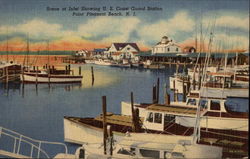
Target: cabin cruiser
<point>141,145</point>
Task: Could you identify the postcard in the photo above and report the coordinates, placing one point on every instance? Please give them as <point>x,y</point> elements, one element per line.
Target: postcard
<point>124,78</point>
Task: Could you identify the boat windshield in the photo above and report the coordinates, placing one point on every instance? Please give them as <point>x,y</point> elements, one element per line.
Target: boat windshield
<point>203,104</point>
<point>124,151</point>
<point>191,101</point>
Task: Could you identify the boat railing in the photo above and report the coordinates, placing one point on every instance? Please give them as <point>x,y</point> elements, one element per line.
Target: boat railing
<point>19,140</point>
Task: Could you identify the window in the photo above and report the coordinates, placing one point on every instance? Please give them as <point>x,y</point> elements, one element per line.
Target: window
<point>177,49</point>
<point>150,153</point>
<point>191,101</point>
<point>124,152</point>
<point>168,49</point>
<point>128,48</point>
<point>150,117</point>
<point>168,118</point>
<point>158,117</point>
<point>203,104</point>
<point>215,105</point>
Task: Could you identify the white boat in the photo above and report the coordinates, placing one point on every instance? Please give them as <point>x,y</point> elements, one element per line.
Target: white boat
<point>9,71</point>
<point>44,77</point>
<point>214,115</point>
<point>103,62</point>
<point>217,84</point>
<point>141,145</point>
<point>89,61</point>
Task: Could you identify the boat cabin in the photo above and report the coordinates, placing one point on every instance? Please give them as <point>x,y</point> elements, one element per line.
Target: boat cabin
<point>159,116</point>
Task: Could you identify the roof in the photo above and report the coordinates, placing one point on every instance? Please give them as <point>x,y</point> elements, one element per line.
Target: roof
<point>148,54</point>
<point>174,109</point>
<point>122,45</point>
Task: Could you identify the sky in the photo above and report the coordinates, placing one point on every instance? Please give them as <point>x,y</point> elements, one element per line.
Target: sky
<point>180,20</point>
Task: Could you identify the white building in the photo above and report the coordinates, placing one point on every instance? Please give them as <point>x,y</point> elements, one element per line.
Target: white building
<point>81,53</point>
<point>166,45</point>
<point>119,51</point>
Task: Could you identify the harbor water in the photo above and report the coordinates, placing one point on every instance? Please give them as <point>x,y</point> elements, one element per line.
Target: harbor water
<point>38,112</point>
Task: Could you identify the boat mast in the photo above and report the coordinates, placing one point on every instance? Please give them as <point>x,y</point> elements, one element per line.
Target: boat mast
<point>7,48</point>
<point>27,53</point>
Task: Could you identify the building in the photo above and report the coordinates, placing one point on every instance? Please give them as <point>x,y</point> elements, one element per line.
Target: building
<point>189,49</point>
<point>99,52</point>
<point>125,55</point>
<point>118,51</point>
<point>166,45</point>
<point>83,53</point>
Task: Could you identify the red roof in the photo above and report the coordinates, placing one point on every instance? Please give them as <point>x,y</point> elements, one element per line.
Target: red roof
<point>122,45</point>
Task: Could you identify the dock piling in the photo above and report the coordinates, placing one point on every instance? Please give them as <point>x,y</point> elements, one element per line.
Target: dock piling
<point>132,111</point>
<point>80,70</point>
<point>154,94</point>
<point>104,109</point>
<point>92,75</point>
<point>157,90</point>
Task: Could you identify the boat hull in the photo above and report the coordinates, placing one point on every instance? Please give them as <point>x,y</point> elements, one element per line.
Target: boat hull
<point>32,78</point>
<point>80,133</point>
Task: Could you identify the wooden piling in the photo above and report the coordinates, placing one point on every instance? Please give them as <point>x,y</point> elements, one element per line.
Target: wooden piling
<point>132,111</point>
<point>23,74</point>
<point>7,75</point>
<point>66,69</point>
<point>49,77</point>
<point>154,94</point>
<point>110,135</point>
<point>188,85</point>
<point>80,70</point>
<point>92,75</point>
<point>36,77</point>
<point>184,93</point>
<point>167,99</point>
<point>174,91</point>
<point>104,109</point>
<point>137,120</point>
<point>53,69</point>
<point>158,90</point>
<point>69,69</point>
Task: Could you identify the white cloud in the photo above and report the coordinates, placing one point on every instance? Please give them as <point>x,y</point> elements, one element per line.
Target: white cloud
<point>233,20</point>
<point>36,28</point>
<point>181,22</point>
<point>109,29</point>
<point>231,41</point>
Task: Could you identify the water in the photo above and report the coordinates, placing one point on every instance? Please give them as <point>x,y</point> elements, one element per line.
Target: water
<point>38,113</point>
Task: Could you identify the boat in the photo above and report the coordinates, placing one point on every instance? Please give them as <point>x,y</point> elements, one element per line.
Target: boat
<point>215,113</point>
<point>103,62</point>
<point>141,145</point>
<point>9,71</point>
<point>45,77</point>
<point>89,61</point>
<point>160,119</point>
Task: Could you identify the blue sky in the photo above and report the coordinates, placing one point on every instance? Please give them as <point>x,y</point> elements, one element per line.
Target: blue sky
<point>178,20</point>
